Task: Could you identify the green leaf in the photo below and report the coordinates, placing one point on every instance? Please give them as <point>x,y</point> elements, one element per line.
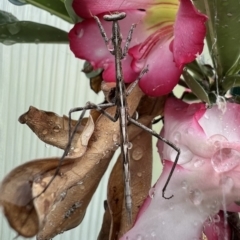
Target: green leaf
<point>195,68</point>
<point>68,5</point>
<point>223,35</point>
<point>28,32</point>
<point>230,82</point>
<point>18,2</point>
<point>6,17</point>
<point>196,88</point>
<point>189,97</point>
<point>55,7</point>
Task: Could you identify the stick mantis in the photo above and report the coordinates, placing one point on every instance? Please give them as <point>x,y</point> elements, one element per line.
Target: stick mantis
<point>120,101</point>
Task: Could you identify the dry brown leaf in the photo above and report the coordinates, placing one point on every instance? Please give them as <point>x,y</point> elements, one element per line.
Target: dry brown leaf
<point>95,83</point>
<point>53,129</point>
<point>64,209</point>
<point>104,233</point>
<point>16,195</point>
<point>79,147</point>
<point>64,202</point>
<point>150,106</point>
<point>49,127</point>
<point>108,89</point>
<point>95,76</point>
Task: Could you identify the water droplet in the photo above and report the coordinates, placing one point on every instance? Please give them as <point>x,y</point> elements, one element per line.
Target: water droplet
<point>196,196</point>
<point>13,28</point>
<point>80,33</point>
<point>37,41</point>
<point>139,237</point>
<point>153,234</point>
<point>229,14</point>
<point>225,159</point>
<point>38,179</point>
<point>217,230</point>
<point>115,138</point>
<point>227,184</point>
<point>151,192</point>
<point>184,185</point>
<point>190,130</point>
<point>206,116</point>
<point>43,184</point>
<point>191,109</point>
<point>8,42</point>
<point>177,137</point>
<point>79,183</point>
<point>186,154</point>
<point>139,65</point>
<point>129,146</point>
<point>216,218</point>
<point>56,128</point>
<point>216,140</point>
<point>143,49</point>
<point>110,45</point>
<point>198,163</point>
<point>195,223</point>
<point>214,207</point>
<point>137,153</point>
<point>63,195</point>
<point>45,131</point>
<point>171,207</point>
<point>76,150</point>
<point>139,174</point>
<point>28,207</point>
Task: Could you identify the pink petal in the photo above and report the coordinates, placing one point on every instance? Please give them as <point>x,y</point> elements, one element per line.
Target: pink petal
<point>109,75</point>
<point>218,228</point>
<point>233,207</point>
<point>96,52</point>
<point>166,219</point>
<point>89,8</point>
<point>189,33</point>
<point>226,124</point>
<point>196,198</point>
<point>200,191</point>
<point>186,132</point>
<point>163,75</point>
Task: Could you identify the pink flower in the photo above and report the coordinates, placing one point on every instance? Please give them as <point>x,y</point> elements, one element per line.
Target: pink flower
<point>205,181</point>
<point>169,34</point>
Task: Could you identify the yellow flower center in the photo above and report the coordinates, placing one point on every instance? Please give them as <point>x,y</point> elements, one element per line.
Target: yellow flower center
<point>161,13</point>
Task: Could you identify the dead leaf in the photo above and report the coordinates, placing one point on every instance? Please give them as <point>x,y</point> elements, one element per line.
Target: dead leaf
<point>49,127</point>
<point>16,195</point>
<point>108,89</point>
<point>95,76</point>
<point>64,202</point>
<point>53,129</point>
<point>105,231</point>
<point>95,83</point>
<point>79,147</point>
